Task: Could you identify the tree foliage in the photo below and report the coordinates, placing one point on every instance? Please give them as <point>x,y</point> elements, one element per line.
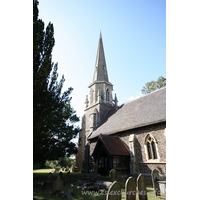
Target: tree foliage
<point>154,85</point>
<point>62,162</point>
<point>53,116</point>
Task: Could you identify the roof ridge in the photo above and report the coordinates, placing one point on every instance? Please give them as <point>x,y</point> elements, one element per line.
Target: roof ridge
<point>145,95</point>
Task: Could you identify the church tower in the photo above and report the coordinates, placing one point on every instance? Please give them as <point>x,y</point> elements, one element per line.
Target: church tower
<point>100,92</point>
<point>98,103</point>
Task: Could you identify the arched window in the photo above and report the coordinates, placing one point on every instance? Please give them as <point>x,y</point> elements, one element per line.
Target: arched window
<point>151,147</point>
<point>107,95</point>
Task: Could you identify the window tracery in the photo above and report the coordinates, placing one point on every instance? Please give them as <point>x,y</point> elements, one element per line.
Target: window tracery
<point>151,147</point>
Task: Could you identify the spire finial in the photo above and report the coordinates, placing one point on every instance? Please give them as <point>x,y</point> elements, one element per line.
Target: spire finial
<point>86,101</point>
<point>100,32</point>
<point>115,100</point>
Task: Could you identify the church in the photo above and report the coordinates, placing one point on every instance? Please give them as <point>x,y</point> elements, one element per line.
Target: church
<point>130,138</point>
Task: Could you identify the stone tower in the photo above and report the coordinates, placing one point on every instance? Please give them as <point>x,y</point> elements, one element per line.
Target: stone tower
<point>98,103</point>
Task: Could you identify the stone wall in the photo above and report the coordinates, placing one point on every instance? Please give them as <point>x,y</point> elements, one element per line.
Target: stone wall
<point>143,165</point>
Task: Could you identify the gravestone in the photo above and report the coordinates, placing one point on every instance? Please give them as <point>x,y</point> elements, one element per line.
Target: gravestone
<point>49,176</point>
<point>155,178</point>
<point>57,169</point>
<point>67,168</point>
<point>68,195</point>
<point>130,189</point>
<point>162,187</point>
<point>102,184</point>
<point>72,168</point>
<point>57,185</point>
<point>114,191</point>
<point>142,191</point>
<point>113,175</point>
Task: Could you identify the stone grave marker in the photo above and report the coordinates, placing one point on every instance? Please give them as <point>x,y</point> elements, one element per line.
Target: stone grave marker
<point>67,168</point>
<point>72,168</point>
<point>57,169</point>
<point>57,185</point>
<point>114,191</point>
<point>142,191</point>
<point>130,189</point>
<point>155,178</point>
<point>113,175</point>
<point>49,176</point>
<point>70,193</point>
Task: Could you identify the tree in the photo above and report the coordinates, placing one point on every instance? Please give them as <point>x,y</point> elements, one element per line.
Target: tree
<point>53,116</point>
<point>154,85</point>
<point>66,161</point>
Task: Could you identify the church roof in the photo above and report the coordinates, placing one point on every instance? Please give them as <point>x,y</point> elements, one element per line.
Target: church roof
<point>100,73</point>
<point>113,145</point>
<point>146,110</point>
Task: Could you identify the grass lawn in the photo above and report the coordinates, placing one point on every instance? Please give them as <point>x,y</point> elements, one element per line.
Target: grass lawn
<point>40,176</point>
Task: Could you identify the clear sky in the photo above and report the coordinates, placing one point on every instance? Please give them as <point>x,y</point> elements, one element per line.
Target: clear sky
<point>134,39</point>
<point>134,44</point>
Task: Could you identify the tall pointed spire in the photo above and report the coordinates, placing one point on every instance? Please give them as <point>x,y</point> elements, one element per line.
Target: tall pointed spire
<point>100,73</point>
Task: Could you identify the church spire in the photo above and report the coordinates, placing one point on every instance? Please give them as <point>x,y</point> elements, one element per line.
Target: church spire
<point>100,73</point>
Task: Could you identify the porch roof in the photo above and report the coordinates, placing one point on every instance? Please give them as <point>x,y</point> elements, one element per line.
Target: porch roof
<point>113,145</point>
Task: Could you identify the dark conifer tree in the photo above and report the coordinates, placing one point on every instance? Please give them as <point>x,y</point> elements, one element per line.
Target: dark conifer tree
<point>53,116</point>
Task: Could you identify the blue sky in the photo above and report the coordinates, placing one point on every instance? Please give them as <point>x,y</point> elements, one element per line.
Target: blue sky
<point>134,43</point>
<point>134,38</point>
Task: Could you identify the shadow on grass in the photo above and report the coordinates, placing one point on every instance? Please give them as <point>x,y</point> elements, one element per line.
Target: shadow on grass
<point>40,194</point>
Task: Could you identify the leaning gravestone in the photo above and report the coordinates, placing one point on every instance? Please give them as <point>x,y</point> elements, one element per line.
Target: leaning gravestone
<point>57,185</point>
<point>113,175</point>
<point>114,192</point>
<point>130,189</point>
<point>155,178</point>
<point>142,191</point>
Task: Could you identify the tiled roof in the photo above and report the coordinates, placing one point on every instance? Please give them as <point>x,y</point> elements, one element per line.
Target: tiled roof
<point>114,145</point>
<point>146,110</point>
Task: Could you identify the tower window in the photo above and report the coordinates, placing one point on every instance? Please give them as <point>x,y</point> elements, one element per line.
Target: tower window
<point>107,95</point>
<point>151,147</point>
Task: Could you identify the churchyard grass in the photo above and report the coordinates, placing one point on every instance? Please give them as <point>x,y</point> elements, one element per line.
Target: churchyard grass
<point>40,176</point>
